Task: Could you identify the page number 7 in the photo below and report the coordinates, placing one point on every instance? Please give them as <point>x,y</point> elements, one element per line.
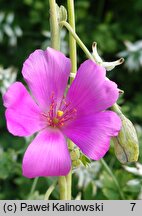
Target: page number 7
<point>133,205</point>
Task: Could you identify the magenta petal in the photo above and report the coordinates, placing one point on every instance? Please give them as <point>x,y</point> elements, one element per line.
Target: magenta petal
<point>47,73</point>
<point>90,92</point>
<point>47,155</point>
<point>107,96</point>
<point>92,133</point>
<point>23,116</point>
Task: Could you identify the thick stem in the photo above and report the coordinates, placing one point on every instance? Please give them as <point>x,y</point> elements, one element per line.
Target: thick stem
<point>69,185</point>
<point>55,43</point>
<point>73,57</point>
<point>62,187</point>
<point>69,176</point>
<point>80,43</point>
<point>72,41</point>
<point>54,25</point>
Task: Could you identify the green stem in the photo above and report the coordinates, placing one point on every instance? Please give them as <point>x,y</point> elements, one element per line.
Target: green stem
<point>49,191</point>
<point>54,25</point>
<point>113,177</point>
<point>73,57</point>
<point>55,43</point>
<point>80,43</point>
<point>69,176</point>
<point>72,41</point>
<point>33,187</point>
<point>84,48</point>
<point>62,187</point>
<point>116,109</point>
<point>71,28</point>
<point>69,185</point>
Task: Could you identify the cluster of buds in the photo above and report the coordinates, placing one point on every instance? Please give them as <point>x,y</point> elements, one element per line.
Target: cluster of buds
<point>77,157</point>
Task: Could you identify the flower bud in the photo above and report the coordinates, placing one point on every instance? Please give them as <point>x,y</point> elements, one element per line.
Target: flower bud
<point>62,14</point>
<point>126,145</point>
<point>76,163</point>
<point>75,154</point>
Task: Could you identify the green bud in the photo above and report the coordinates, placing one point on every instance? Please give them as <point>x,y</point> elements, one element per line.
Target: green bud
<point>62,14</point>
<point>75,154</point>
<point>76,163</point>
<point>126,144</point>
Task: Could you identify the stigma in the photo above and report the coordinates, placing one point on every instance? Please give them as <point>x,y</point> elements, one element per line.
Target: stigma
<point>56,120</point>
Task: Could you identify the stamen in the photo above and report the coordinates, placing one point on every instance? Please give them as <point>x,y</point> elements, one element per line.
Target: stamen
<point>57,118</point>
<point>60,113</point>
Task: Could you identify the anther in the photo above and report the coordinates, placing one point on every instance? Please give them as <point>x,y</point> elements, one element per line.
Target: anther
<point>60,113</point>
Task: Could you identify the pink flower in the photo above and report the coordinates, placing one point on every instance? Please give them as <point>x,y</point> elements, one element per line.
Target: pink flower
<point>79,116</point>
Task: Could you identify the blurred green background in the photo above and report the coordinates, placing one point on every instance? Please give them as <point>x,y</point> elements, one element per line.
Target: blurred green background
<point>116,25</point>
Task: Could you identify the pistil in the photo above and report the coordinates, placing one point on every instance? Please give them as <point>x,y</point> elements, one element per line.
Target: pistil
<point>58,118</point>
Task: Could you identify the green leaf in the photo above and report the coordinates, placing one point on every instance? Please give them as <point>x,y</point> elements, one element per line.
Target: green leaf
<point>111,194</point>
<point>89,191</point>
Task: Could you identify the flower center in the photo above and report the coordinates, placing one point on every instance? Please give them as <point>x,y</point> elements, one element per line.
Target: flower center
<point>56,119</point>
<point>61,116</point>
